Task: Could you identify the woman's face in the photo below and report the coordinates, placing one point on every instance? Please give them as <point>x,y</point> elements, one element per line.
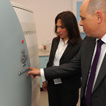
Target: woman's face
<point>61,30</point>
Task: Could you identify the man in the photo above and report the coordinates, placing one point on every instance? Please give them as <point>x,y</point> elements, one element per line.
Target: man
<point>91,58</point>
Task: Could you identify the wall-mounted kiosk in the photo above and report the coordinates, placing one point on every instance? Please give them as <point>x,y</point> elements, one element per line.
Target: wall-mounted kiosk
<point>26,19</point>
<point>15,86</point>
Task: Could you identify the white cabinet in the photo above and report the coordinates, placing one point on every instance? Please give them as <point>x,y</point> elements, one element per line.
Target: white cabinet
<point>43,61</point>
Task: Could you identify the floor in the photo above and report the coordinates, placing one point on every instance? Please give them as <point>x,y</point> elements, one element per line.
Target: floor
<point>44,99</point>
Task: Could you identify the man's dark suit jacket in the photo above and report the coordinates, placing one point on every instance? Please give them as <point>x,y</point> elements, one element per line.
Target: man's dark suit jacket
<point>73,82</point>
<point>83,61</point>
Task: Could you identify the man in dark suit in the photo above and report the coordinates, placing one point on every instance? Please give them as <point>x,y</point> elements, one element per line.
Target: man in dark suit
<point>93,20</point>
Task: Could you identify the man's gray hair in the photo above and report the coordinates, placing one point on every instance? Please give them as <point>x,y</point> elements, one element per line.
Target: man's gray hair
<point>95,5</point>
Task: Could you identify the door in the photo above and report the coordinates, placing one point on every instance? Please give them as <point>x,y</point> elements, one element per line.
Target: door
<point>15,86</point>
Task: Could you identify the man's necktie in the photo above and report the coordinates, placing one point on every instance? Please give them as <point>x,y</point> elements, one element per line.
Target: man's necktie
<point>92,74</point>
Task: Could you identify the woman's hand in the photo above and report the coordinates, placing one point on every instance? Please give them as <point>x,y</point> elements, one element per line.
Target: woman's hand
<point>34,72</point>
<point>44,86</point>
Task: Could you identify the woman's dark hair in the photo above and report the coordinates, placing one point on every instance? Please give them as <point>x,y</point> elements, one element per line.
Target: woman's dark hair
<point>69,21</point>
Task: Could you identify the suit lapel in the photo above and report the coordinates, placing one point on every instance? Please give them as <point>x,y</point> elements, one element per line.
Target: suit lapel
<point>88,59</point>
<point>102,73</point>
<point>55,47</point>
<point>68,48</point>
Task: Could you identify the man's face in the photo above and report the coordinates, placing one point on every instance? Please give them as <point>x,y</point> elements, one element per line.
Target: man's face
<point>88,21</point>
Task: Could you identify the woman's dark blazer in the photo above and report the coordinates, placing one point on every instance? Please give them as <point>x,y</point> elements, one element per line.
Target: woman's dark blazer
<point>70,83</point>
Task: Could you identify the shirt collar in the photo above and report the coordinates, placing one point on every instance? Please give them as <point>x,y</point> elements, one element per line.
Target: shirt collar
<point>65,41</point>
<point>103,38</point>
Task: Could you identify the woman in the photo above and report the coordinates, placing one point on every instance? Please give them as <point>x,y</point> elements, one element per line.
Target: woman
<point>64,91</point>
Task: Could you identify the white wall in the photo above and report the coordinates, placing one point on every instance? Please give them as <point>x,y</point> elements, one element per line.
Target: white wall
<point>45,12</point>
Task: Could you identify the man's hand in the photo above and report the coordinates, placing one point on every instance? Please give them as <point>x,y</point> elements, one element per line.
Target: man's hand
<point>34,72</point>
